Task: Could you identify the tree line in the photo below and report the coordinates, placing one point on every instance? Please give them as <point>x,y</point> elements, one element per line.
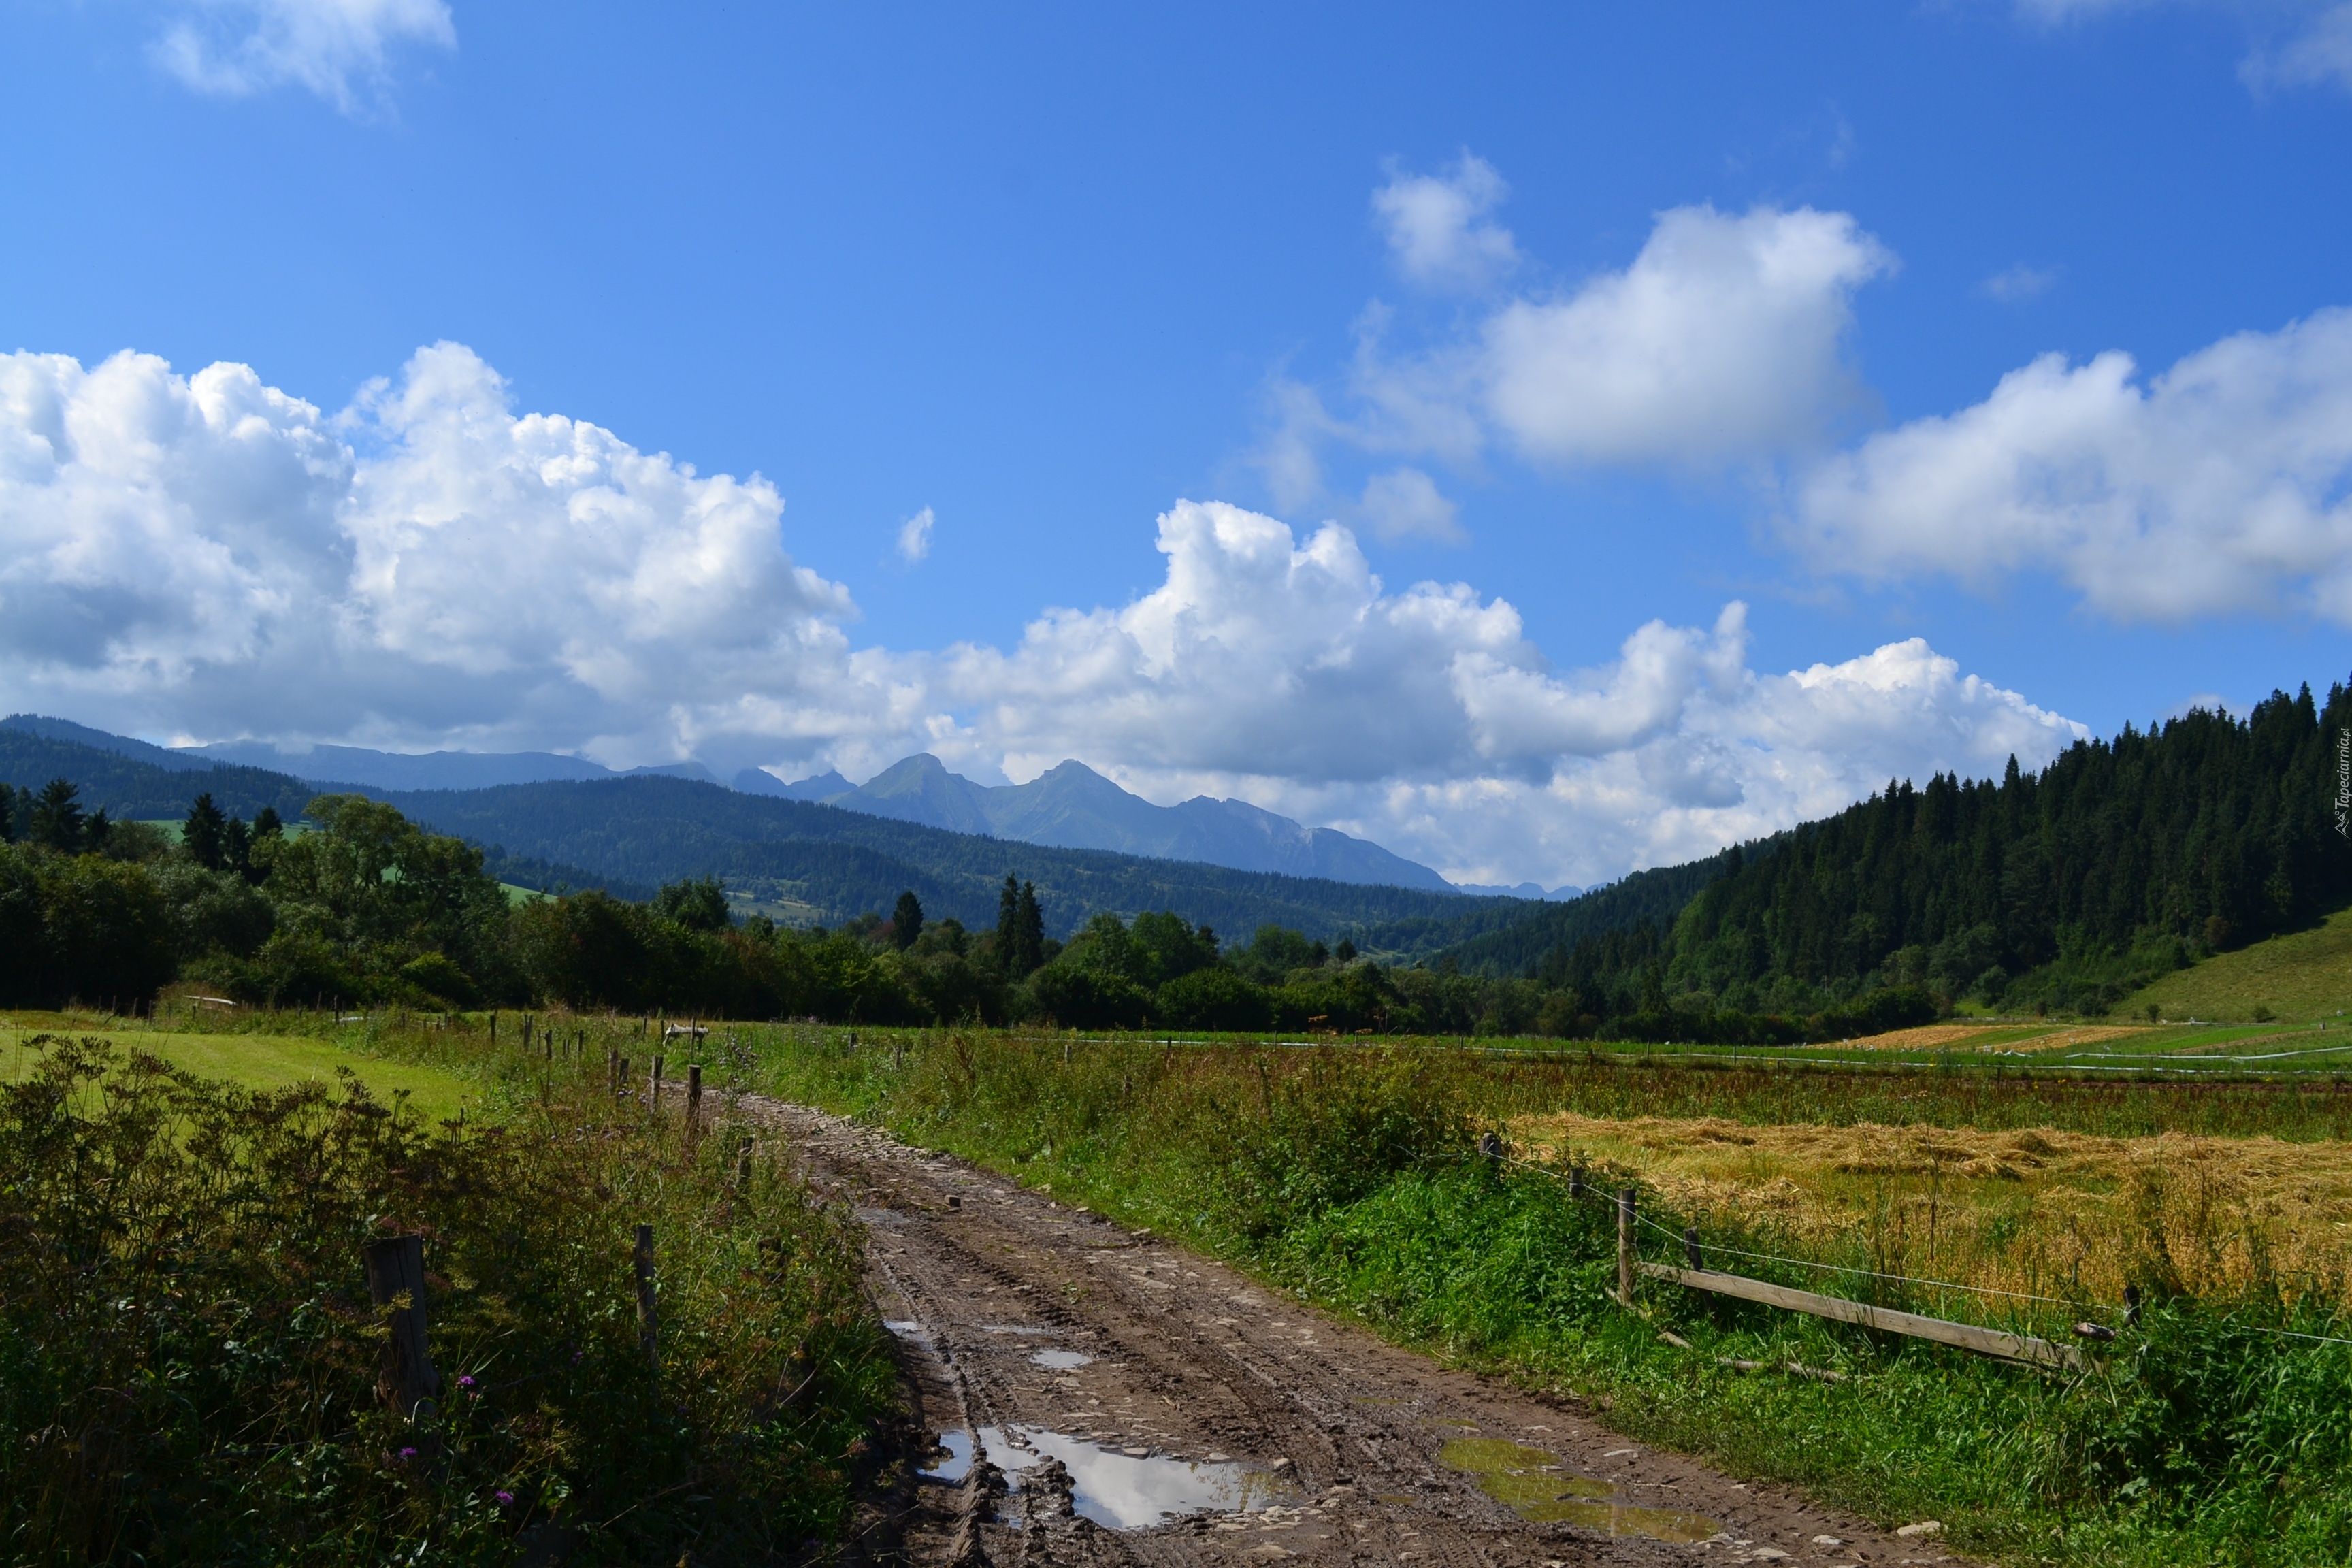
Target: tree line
<point>2061,890</point>
<point>354,903</point>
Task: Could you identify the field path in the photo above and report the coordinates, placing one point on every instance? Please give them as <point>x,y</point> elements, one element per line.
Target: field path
<point>1155,1372</point>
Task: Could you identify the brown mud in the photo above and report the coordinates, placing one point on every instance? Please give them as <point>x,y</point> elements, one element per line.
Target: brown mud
<point>1111,1375</point>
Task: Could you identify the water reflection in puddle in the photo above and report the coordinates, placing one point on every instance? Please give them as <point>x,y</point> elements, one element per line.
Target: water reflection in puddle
<point>1061,1360</point>
<point>1118,1490</point>
<point>1535,1486</point>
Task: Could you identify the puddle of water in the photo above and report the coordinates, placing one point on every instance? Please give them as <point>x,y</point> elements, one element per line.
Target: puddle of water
<point>1532,1484</point>
<point>907,1328</point>
<point>1012,1328</point>
<point>1061,1360</point>
<point>1114,1489</point>
<point>957,1464</point>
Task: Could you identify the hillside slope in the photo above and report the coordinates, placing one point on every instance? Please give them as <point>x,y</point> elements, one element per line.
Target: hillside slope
<point>1479,944</point>
<point>826,864</point>
<point>2301,977</point>
<point>133,788</point>
<point>2071,889</point>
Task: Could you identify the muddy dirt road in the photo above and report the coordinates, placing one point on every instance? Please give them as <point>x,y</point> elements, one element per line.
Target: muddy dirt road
<point>1146,1405</point>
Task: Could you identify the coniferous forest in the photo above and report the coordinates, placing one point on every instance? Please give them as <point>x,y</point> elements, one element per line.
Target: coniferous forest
<point>2063,890</point>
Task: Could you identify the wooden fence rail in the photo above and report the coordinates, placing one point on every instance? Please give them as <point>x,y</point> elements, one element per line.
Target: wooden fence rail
<point>1967,1336</point>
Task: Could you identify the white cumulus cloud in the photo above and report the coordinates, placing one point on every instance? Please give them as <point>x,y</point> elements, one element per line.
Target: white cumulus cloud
<point>1723,343</point>
<point>1439,229</point>
<point>2216,487</point>
<point>1723,340</point>
<point>915,537</point>
<point>1282,670</point>
<point>206,557</point>
<point>339,50</point>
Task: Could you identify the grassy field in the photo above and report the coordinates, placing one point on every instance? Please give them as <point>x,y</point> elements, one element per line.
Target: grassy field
<point>255,1060</point>
<point>1344,1172</point>
<point>2301,977</point>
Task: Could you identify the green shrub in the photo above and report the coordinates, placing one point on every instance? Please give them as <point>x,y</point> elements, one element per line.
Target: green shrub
<point>188,1354</point>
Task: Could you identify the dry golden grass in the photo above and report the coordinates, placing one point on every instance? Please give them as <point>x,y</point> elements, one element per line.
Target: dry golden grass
<point>2004,1037</point>
<point>2039,1210</point>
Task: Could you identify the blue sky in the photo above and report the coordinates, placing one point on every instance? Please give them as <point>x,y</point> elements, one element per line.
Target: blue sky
<point>1049,274</point>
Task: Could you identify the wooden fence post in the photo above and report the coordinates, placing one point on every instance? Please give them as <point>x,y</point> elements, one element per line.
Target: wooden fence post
<point>693,1105</point>
<point>395,1268</point>
<point>1625,1246</point>
<point>1690,1247</point>
<point>656,1083</point>
<point>621,1084</point>
<point>743,1165</point>
<point>1576,1180</point>
<point>648,1339</point>
<point>2131,1306</point>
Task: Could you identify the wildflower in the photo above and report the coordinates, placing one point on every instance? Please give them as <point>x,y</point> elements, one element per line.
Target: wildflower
<point>506,1499</point>
<point>465,1383</point>
<point>406,1455</point>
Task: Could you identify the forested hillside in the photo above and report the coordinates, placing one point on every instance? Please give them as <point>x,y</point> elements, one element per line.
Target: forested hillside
<point>2064,889</point>
<point>130,788</point>
<point>1516,946</point>
<point>835,864</point>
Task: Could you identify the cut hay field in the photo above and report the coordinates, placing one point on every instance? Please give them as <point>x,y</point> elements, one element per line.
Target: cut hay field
<point>2040,1210</point>
<point>249,1060</point>
<point>2037,1036</point>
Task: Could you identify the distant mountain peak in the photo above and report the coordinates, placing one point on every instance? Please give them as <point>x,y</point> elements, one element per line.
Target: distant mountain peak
<point>1072,806</point>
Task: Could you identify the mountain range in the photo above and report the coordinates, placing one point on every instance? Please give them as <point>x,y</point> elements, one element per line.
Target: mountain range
<point>1070,806</point>
<point>1075,807</point>
<point>799,860</point>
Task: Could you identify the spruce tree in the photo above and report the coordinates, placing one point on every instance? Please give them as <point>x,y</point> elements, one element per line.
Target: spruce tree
<point>1008,924</point>
<point>1029,933</point>
<point>57,817</point>
<point>202,835</point>
<point>905,921</point>
<point>237,846</point>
